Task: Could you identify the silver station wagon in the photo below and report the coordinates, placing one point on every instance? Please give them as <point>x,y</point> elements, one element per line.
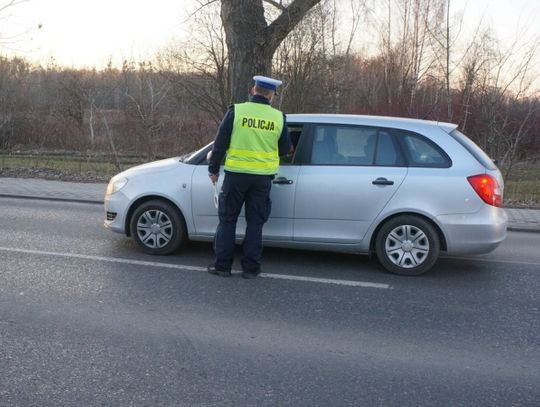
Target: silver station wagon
<point>404,189</point>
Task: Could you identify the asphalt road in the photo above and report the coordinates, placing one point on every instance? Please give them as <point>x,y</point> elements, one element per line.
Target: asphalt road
<point>86,319</point>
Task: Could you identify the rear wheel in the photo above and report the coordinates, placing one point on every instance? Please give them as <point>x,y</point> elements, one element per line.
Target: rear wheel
<point>158,227</point>
<point>407,245</point>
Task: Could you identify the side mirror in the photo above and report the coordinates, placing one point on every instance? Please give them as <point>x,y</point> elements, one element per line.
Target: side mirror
<point>208,156</point>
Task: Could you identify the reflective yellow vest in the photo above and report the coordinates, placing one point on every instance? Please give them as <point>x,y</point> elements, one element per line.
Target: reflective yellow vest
<point>254,140</point>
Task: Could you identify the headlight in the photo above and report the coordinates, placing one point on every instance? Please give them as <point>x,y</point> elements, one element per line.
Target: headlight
<point>116,185</point>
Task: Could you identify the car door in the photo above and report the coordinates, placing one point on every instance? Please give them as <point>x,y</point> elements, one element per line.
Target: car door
<point>350,175</point>
<point>279,225</point>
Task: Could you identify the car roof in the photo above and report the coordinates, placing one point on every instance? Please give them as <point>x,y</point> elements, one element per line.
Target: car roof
<point>382,121</point>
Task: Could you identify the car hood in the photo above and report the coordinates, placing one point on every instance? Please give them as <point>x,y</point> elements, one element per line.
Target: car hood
<point>152,167</point>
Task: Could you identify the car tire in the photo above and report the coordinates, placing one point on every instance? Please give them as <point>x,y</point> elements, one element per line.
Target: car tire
<point>158,227</point>
<point>407,245</point>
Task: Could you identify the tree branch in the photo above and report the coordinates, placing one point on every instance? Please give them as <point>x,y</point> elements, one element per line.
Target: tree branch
<point>277,5</point>
<point>287,20</point>
<point>202,4</point>
<point>11,3</point>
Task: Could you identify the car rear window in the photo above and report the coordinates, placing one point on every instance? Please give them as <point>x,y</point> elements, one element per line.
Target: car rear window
<point>473,148</point>
<point>422,152</point>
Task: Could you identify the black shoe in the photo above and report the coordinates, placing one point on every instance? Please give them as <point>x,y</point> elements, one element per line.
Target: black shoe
<point>222,273</point>
<point>251,274</point>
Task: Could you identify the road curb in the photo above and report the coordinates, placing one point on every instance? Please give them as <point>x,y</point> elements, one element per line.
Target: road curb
<point>49,198</point>
<point>523,229</point>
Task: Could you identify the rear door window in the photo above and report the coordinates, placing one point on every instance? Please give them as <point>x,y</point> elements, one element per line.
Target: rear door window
<point>354,146</point>
<point>343,145</point>
<point>387,152</point>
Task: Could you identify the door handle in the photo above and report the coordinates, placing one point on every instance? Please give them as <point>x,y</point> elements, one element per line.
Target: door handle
<point>382,181</point>
<point>282,181</point>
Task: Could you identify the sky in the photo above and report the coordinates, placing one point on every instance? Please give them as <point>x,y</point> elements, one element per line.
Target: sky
<point>89,32</point>
<point>86,33</point>
<point>508,18</point>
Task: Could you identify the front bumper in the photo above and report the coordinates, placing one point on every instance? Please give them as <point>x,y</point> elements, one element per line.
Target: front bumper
<point>118,204</point>
<point>477,233</point>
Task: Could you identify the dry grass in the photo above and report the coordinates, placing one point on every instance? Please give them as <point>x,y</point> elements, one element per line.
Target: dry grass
<point>522,188</point>
<point>84,165</point>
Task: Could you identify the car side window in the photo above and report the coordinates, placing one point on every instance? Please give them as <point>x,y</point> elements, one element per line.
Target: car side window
<point>343,145</point>
<point>387,153</point>
<point>422,152</point>
<point>295,131</point>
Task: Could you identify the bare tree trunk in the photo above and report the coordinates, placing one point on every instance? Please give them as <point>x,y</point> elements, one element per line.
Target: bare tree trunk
<point>447,64</point>
<point>91,124</point>
<point>251,42</point>
<point>109,133</point>
<point>388,56</point>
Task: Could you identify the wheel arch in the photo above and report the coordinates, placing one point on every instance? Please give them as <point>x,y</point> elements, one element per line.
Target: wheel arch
<point>139,201</point>
<point>440,234</point>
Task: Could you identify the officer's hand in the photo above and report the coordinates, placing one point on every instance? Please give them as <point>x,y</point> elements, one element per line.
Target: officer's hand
<point>214,178</point>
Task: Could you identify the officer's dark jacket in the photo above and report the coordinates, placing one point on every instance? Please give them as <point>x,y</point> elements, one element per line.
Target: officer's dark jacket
<point>223,138</point>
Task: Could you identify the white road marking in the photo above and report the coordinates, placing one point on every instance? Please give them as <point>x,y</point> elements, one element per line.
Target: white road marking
<point>107,259</point>
<point>350,283</point>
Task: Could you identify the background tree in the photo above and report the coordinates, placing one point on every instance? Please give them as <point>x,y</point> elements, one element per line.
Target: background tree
<point>8,40</point>
<point>197,68</point>
<point>251,41</point>
<point>406,58</point>
<point>147,95</point>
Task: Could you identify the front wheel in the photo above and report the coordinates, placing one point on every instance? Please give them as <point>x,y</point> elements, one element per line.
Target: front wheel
<point>407,245</point>
<point>158,227</point>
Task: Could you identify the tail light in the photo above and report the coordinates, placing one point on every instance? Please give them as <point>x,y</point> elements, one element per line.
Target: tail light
<point>487,188</point>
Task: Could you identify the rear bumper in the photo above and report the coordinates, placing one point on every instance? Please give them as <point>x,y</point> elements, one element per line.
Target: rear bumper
<point>476,233</point>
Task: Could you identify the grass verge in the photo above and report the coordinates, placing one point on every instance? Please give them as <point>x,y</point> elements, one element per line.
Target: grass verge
<point>97,166</point>
<point>522,188</point>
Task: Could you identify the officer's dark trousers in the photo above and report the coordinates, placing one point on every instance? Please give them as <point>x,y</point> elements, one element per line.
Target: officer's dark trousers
<point>237,189</point>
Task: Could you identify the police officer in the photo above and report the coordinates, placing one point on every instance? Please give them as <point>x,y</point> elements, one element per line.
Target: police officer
<point>252,135</point>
